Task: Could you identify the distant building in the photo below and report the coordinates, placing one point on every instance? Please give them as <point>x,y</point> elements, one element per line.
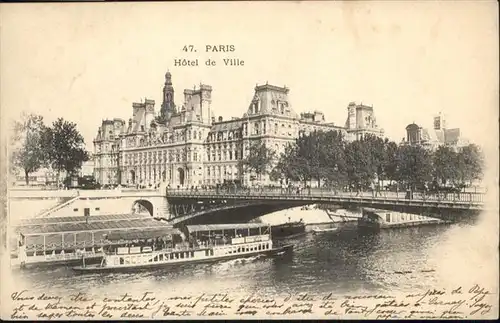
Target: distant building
<point>42,177</point>
<point>188,146</point>
<point>361,121</point>
<point>435,137</point>
<point>106,151</point>
<point>87,168</point>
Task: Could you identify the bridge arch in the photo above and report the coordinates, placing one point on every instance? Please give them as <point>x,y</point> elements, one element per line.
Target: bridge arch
<point>139,206</point>
<point>232,213</point>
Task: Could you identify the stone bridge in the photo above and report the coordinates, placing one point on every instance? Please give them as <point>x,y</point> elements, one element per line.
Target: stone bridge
<point>242,205</point>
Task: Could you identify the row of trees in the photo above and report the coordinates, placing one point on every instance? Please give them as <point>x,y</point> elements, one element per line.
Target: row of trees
<point>35,145</point>
<point>327,157</point>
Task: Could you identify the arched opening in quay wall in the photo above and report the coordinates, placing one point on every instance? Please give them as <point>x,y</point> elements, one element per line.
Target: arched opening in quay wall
<point>143,206</point>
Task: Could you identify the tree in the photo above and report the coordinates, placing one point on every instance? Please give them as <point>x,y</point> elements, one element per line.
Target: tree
<point>472,163</point>
<point>360,167</point>
<point>390,164</point>
<point>307,155</point>
<point>26,143</point>
<point>320,156</point>
<point>414,166</point>
<point>291,165</point>
<point>64,147</point>
<point>376,148</point>
<point>259,159</point>
<point>446,168</point>
<point>332,163</point>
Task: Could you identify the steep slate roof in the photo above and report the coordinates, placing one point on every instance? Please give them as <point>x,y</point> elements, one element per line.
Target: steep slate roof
<point>92,226</point>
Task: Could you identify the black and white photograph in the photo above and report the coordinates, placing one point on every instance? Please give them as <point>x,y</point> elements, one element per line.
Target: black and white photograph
<point>249,160</point>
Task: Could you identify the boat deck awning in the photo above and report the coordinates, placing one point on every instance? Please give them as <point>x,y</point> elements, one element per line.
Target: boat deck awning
<point>91,226</point>
<point>217,227</point>
<point>151,233</point>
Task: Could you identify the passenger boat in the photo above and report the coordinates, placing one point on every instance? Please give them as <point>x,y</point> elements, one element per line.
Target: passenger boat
<point>54,241</point>
<point>319,230</point>
<point>38,255</point>
<point>202,243</point>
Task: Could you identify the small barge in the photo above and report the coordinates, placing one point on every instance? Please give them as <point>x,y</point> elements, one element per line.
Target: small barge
<point>374,219</point>
<point>288,229</point>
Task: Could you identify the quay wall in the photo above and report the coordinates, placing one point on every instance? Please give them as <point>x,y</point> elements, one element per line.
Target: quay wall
<point>27,209</point>
<point>24,204</point>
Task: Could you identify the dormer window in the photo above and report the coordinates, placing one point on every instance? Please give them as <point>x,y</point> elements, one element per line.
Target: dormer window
<point>256,107</point>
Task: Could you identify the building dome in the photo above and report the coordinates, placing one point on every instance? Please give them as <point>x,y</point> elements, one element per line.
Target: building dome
<point>412,127</point>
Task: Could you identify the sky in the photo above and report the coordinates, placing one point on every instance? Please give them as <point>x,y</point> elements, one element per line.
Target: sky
<point>411,60</point>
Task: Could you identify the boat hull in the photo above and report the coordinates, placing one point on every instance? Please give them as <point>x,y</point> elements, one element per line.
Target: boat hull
<point>99,268</point>
<point>16,263</point>
<point>288,229</point>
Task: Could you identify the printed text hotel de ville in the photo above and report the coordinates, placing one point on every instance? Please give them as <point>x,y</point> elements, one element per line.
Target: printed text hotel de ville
<point>209,56</point>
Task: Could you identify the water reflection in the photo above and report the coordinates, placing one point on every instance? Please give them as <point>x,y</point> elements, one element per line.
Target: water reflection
<point>346,261</point>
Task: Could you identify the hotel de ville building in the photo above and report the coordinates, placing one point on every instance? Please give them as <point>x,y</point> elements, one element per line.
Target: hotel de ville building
<point>188,146</point>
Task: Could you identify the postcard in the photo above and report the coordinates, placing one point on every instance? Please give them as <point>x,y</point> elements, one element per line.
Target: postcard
<point>249,160</point>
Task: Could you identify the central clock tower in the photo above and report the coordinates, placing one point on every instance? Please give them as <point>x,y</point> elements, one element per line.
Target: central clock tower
<point>168,105</point>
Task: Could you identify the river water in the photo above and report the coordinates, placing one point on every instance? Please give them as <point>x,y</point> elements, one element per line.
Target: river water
<point>343,262</point>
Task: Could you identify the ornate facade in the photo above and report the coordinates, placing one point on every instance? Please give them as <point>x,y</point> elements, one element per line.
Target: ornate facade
<point>190,147</point>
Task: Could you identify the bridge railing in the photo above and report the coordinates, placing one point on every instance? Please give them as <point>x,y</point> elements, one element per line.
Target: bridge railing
<point>42,193</point>
<point>462,197</point>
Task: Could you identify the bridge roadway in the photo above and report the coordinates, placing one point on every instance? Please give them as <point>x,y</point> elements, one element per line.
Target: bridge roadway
<point>186,204</point>
<point>179,205</point>
<point>467,200</point>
